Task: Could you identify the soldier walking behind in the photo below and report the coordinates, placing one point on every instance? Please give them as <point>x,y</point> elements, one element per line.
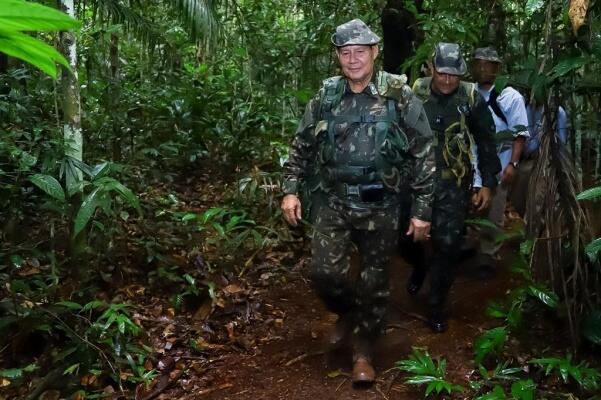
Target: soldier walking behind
<point>459,118</point>
<point>363,139</point>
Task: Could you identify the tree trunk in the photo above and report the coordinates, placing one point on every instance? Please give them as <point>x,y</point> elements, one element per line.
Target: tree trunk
<point>71,102</point>
<point>496,33</point>
<point>114,96</point>
<point>401,36</point>
<point>72,135</point>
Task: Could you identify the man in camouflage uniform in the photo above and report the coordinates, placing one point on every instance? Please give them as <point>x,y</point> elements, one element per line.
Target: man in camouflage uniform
<point>363,139</point>
<point>461,123</point>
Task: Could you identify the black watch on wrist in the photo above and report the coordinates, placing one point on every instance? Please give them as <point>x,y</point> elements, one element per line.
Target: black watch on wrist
<point>515,164</point>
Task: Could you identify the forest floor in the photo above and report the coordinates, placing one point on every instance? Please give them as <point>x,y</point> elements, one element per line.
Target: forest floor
<point>266,337</point>
<point>261,332</point>
<point>291,361</point>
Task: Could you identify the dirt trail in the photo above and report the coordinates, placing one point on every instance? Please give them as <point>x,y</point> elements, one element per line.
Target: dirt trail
<point>294,365</point>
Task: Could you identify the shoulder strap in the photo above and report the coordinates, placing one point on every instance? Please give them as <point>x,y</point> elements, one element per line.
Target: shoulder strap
<point>332,92</point>
<point>421,88</point>
<point>470,92</point>
<point>494,105</point>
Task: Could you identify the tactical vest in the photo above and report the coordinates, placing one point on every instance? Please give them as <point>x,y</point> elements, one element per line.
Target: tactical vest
<point>453,141</point>
<point>389,144</point>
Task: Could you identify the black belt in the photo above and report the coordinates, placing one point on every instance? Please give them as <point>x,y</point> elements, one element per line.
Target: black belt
<point>367,193</point>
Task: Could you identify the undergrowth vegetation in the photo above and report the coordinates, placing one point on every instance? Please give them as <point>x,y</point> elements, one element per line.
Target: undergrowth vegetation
<point>187,109</point>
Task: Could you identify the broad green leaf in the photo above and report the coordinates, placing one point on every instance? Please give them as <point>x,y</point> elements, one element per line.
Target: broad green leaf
<point>111,184</point>
<point>49,185</point>
<point>86,210</point>
<point>589,194</point>
<point>592,250</point>
<point>12,373</point>
<point>31,50</point>
<point>567,65</point>
<point>16,260</point>
<point>496,310</point>
<point>591,327</point>
<point>504,237</point>
<point>189,217</point>
<point>501,82</point>
<point>19,15</point>
<point>547,296</point>
<point>523,389</point>
<point>100,170</point>
<point>210,213</point>
<point>15,373</point>
<point>526,247</point>
<point>483,222</point>
<point>490,341</point>
<point>71,370</point>
<point>496,394</point>
<point>93,304</point>
<point>420,379</point>
<point>70,305</point>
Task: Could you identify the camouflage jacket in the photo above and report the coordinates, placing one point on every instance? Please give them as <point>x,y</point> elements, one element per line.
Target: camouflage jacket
<point>417,165</point>
<point>444,111</point>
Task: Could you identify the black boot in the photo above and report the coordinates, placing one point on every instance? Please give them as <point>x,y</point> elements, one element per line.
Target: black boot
<point>437,319</point>
<point>416,280</point>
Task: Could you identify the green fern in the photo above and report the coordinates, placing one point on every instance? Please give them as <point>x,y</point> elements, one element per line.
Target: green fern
<point>425,371</point>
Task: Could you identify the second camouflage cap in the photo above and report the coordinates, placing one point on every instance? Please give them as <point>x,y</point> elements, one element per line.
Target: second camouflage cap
<point>487,54</point>
<point>448,59</point>
<point>354,32</point>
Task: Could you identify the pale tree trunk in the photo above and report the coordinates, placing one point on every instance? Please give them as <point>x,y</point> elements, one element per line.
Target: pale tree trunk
<point>71,101</point>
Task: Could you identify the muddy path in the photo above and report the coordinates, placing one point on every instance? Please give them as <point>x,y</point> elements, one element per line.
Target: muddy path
<point>291,362</point>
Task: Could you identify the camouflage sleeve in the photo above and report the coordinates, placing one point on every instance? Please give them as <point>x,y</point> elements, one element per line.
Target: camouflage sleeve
<point>482,128</point>
<point>302,150</point>
<point>423,166</point>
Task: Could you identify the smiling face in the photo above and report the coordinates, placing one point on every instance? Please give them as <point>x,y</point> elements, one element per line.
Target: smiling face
<point>357,63</point>
<point>444,83</point>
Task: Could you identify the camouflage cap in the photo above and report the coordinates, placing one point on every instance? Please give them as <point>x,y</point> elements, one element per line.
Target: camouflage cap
<point>448,59</point>
<point>487,54</point>
<point>354,32</point>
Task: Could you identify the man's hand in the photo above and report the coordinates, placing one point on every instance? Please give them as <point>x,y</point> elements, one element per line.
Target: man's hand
<point>482,198</point>
<point>419,229</point>
<point>291,208</point>
<point>508,175</point>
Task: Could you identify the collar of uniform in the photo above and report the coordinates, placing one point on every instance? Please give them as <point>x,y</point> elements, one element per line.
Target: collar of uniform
<point>371,89</point>
<point>481,89</point>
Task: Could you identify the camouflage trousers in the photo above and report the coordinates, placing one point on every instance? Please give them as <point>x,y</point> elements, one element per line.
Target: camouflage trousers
<point>449,210</point>
<point>373,231</point>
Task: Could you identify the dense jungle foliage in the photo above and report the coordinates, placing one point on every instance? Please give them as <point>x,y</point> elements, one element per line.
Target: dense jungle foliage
<point>140,152</point>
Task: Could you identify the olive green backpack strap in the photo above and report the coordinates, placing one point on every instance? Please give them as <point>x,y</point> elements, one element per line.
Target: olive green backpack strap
<point>421,88</point>
<point>333,88</point>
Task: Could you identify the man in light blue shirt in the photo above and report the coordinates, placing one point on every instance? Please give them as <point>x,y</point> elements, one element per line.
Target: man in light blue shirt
<point>511,121</point>
<point>535,127</point>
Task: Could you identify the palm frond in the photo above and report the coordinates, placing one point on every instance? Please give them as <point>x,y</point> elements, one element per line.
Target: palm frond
<point>116,12</point>
<point>559,227</point>
<point>199,16</point>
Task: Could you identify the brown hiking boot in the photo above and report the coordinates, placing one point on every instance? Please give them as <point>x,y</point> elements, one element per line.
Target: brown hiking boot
<point>363,372</point>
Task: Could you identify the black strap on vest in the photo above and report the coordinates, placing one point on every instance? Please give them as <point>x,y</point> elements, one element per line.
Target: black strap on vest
<point>494,105</point>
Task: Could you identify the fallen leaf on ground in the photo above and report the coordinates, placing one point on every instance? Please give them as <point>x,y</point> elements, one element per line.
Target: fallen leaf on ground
<point>334,374</point>
<point>204,311</point>
<point>50,395</point>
